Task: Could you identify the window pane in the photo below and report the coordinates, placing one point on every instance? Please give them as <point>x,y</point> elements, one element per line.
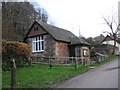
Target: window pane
<point>38,37</point>
<point>36,46</point>
<point>34,39</point>
<point>41,37</point>
<point>33,46</point>
<point>42,45</point>
<point>39,45</point>
<point>36,28</point>
<point>86,53</point>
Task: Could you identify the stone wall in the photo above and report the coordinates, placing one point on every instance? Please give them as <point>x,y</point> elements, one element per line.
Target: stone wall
<point>49,46</point>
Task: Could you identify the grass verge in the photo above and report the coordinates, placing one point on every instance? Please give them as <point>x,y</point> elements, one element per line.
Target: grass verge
<point>41,76</point>
<point>102,62</point>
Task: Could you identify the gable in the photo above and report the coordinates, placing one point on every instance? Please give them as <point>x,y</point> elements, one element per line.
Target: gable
<point>57,34</point>
<point>107,38</point>
<point>36,30</point>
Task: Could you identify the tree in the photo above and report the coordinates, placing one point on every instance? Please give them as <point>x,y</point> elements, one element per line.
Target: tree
<point>112,23</point>
<point>42,15</point>
<point>91,41</point>
<point>98,39</point>
<point>17,18</point>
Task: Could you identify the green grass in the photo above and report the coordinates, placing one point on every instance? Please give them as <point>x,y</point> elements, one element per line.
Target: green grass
<point>41,76</point>
<point>0,78</point>
<point>102,62</point>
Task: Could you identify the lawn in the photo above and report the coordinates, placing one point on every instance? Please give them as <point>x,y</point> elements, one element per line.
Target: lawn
<point>41,76</point>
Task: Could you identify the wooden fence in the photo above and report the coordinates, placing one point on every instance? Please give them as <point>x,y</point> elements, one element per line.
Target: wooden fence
<point>67,61</point>
<point>55,60</point>
<point>98,59</point>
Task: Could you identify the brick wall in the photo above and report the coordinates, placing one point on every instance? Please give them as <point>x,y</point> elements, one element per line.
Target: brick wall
<point>62,49</point>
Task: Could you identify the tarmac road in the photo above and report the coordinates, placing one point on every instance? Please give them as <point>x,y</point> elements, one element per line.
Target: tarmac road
<point>104,76</point>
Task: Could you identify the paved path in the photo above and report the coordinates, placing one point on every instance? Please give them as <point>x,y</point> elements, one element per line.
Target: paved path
<point>104,76</point>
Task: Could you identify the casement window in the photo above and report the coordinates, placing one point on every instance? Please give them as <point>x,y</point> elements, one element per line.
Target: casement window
<point>38,44</point>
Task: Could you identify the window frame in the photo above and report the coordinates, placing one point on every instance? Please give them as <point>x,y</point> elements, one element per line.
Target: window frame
<point>38,44</point>
<point>86,53</point>
<point>36,28</point>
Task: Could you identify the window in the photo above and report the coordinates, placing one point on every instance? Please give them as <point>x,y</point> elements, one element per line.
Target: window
<point>35,28</point>
<point>85,52</point>
<point>38,44</point>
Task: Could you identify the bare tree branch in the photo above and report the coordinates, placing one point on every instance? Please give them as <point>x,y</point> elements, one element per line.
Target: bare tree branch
<point>117,28</point>
<point>111,22</point>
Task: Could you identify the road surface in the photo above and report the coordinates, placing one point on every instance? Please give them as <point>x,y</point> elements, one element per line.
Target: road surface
<point>104,76</point>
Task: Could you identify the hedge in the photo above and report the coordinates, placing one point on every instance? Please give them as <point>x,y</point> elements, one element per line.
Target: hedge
<point>14,50</point>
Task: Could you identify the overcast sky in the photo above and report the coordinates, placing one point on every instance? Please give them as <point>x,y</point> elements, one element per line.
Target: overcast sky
<point>83,15</point>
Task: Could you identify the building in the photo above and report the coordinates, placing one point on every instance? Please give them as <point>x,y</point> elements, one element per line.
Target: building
<point>48,40</point>
<point>110,41</point>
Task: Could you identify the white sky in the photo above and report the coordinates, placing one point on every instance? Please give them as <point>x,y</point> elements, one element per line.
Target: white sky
<point>85,15</point>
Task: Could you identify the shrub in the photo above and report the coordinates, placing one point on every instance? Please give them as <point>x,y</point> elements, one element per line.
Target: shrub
<point>14,50</point>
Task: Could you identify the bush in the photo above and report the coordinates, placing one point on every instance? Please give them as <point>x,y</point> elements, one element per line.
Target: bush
<point>14,50</point>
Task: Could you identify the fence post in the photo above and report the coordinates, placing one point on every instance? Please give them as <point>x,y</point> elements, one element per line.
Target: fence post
<point>97,58</point>
<point>101,58</point>
<point>75,64</point>
<point>104,58</point>
<point>50,62</point>
<point>30,61</point>
<point>13,74</point>
<point>72,60</point>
